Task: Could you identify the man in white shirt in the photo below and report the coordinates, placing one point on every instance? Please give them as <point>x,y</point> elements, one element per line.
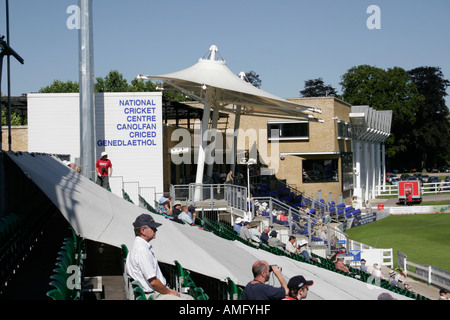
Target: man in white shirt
<point>254,232</point>
<point>142,265</point>
<point>290,245</point>
<point>183,216</point>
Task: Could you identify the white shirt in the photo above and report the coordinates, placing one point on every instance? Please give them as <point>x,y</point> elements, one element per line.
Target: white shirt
<point>185,218</point>
<point>142,264</point>
<point>290,247</point>
<point>377,273</point>
<point>255,234</point>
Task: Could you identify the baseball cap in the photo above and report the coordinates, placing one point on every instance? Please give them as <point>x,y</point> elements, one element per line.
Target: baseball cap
<point>298,282</point>
<point>104,153</point>
<point>145,220</point>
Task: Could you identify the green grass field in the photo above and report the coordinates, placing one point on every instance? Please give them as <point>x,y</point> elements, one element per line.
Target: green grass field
<point>424,238</point>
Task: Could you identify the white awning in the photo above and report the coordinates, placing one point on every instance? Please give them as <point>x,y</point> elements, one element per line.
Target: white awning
<point>229,89</point>
<point>99,215</point>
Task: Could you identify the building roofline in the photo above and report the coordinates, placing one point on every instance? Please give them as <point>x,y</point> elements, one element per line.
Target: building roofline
<point>311,98</point>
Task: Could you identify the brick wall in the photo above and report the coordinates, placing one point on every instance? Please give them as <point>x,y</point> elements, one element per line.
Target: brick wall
<point>19,138</point>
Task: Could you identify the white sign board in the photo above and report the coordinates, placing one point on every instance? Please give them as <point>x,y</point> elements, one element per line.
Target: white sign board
<point>128,127</point>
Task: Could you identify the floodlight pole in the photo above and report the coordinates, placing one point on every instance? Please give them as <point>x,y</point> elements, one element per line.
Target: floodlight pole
<point>87,95</point>
<point>7,51</point>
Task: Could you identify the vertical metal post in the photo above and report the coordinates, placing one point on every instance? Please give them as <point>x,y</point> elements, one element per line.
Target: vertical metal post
<point>87,96</point>
<point>8,63</point>
<point>213,133</point>
<point>202,144</point>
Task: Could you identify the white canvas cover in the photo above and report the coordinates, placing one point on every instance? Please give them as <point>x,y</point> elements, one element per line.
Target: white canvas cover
<point>99,215</point>
<point>229,89</point>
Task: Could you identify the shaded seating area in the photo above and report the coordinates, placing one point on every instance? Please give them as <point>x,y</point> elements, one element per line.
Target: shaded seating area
<point>186,284</point>
<point>66,280</point>
<point>19,234</point>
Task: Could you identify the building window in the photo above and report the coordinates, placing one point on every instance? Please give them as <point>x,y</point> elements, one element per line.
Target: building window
<point>347,170</point>
<point>344,130</point>
<point>320,170</point>
<point>288,130</point>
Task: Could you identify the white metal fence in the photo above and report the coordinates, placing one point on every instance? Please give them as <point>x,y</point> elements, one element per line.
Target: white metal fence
<point>429,274</point>
<point>427,188</point>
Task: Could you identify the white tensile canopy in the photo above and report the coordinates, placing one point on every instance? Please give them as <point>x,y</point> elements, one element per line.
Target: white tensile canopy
<point>211,75</point>
<point>99,215</point>
<point>212,83</point>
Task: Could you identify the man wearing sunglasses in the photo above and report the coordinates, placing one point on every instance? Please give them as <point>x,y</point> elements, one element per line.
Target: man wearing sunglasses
<point>142,265</point>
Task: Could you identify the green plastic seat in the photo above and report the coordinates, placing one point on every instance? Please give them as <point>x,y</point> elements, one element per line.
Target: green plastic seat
<point>234,291</point>
<point>139,293</point>
<point>55,294</point>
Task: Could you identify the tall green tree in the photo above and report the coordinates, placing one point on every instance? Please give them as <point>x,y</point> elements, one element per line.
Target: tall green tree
<point>317,88</point>
<point>59,86</point>
<point>432,128</point>
<point>113,82</point>
<point>16,119</point>
<point>253,78</point>
<point>139,85</point>
<point>390,89</point>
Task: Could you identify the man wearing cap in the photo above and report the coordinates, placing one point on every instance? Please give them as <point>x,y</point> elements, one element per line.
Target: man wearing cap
<point>298,288</point>
<point>191,213</point>
<point>244,233</point>
<point>257,289</point>
<point>363,266</point>
<point>104,170</point>
<point>255,234</point>
<point>340,264</point>
<point>275,242</point>
<point>142,265</point>
<point>392,278</point>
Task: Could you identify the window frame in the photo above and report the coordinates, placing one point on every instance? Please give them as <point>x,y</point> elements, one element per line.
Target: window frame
<point>271,123</point>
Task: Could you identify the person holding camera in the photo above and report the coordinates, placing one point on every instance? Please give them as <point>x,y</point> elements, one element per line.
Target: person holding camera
<point>257,289</point>
<point>104,170</point>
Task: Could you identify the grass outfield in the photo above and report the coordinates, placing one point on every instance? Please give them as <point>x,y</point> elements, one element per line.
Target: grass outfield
<point>424,238</point>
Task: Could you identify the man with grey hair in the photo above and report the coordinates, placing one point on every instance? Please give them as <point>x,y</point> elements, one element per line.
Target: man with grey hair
<point>142,265</point>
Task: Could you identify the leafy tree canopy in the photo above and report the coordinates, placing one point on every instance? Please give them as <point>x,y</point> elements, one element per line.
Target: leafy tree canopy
<point>113,82</point>
<point>253,78</point>
<point>317,88</point>
<point>420,127</point>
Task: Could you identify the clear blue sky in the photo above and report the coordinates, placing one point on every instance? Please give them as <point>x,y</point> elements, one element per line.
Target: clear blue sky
<point>286,42</point>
